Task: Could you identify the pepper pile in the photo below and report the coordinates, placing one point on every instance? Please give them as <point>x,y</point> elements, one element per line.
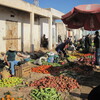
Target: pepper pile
<point>61,83</point>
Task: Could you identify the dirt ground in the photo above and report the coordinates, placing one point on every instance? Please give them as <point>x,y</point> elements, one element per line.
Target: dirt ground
<point>86,85</point>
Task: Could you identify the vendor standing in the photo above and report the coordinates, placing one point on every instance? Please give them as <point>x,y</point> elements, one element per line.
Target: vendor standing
<point>10,58</point>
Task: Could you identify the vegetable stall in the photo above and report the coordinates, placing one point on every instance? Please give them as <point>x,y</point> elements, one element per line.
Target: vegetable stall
<point>56,78</point>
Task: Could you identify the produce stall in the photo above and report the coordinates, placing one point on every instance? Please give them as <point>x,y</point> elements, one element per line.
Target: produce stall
<point>46,80</point>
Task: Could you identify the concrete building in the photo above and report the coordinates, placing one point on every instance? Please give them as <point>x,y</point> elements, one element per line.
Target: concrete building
<point>75,34</point>
<point>61,30</point>
<point>22,25</point>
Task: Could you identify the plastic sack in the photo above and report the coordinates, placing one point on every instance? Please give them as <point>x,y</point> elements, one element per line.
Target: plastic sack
<point>50,57</point>
<point>56,59</point>
<point>39,61</point>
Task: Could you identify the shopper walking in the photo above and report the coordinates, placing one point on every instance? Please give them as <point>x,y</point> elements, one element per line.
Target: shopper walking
<point>87,44</point>
<point>97,46</point>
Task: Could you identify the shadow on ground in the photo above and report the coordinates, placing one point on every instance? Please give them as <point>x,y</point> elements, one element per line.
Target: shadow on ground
<point>87,84</point>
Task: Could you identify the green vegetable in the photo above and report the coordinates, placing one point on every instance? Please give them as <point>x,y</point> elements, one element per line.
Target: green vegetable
<point>52,64</point>
<point>45,94</point>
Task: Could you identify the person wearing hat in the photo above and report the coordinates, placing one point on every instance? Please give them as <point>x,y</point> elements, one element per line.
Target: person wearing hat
<point>97,46</point>
<point>10,58</point>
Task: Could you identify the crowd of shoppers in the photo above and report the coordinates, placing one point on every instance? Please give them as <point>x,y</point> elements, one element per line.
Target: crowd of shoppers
<point>87,43</point>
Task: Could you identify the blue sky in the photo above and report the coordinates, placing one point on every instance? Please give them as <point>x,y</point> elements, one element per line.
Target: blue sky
<point>63,5</point>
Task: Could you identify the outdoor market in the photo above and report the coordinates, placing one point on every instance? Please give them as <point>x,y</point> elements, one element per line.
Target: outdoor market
<point>68,72</point>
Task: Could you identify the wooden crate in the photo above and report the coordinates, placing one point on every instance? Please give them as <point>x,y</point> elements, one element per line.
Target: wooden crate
<point>23,70</point>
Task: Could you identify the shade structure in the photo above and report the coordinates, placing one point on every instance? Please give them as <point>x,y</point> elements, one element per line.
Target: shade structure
<point>87,16</point>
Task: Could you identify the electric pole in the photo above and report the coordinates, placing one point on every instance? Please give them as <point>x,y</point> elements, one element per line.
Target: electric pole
<point>36,2</point>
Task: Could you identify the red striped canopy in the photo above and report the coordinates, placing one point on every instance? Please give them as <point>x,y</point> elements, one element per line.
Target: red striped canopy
<point>87,16</point>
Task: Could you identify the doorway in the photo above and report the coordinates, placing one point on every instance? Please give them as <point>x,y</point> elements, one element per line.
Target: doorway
<point>11,35</point>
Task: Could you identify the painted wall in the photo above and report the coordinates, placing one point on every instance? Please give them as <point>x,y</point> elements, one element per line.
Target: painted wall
<point>2,34</point>
<point>37,34</point>
<point>77,33</point>
<point>45,30</point>
<point>55,13</point>
<point>23,27</point>
<point>61,30</point>
<point>54,36</point>
<point>25,6</point>
<point>44,27</point>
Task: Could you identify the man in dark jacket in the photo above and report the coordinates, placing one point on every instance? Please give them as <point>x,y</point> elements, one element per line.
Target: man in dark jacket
<point>97,46</point>
<point>87,44</point>
<point>60,48</point>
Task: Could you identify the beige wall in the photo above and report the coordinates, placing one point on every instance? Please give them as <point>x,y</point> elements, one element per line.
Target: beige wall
<point>61,29</point>
<point>25,6</point>
<point>77,33</point>
<point>23,26</point>
<point>44,27</point>
<point>55,13</point>
<point>2,34</point>
<point>37,35</point>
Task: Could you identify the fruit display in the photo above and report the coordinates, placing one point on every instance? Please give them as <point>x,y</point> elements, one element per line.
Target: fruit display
<point>10,82</point>
<point>52,64</point>
<point>8,97</point>
<point>70,73</point>
<point>80,68</point>
<point>77,54</point>
<point>72,58</point>
<point>88,60</point>
<point>61,83</point>
<point>45,94</point>
<point>86,70</point>
<point>89,55</point>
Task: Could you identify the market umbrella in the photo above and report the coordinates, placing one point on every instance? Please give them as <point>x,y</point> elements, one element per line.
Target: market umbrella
<point>87,16</point>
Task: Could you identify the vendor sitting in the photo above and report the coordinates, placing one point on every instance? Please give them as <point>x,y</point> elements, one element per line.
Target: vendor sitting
<point>10,58</point>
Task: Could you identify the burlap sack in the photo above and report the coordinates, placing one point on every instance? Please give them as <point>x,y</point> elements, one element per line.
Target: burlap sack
<point>5,74</point>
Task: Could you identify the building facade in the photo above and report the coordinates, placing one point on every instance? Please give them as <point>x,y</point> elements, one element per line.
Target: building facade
<point>22,25</point>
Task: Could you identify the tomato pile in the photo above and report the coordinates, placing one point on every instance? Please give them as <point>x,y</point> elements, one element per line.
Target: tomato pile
<point>42,69</point>
<point>47,69</point>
